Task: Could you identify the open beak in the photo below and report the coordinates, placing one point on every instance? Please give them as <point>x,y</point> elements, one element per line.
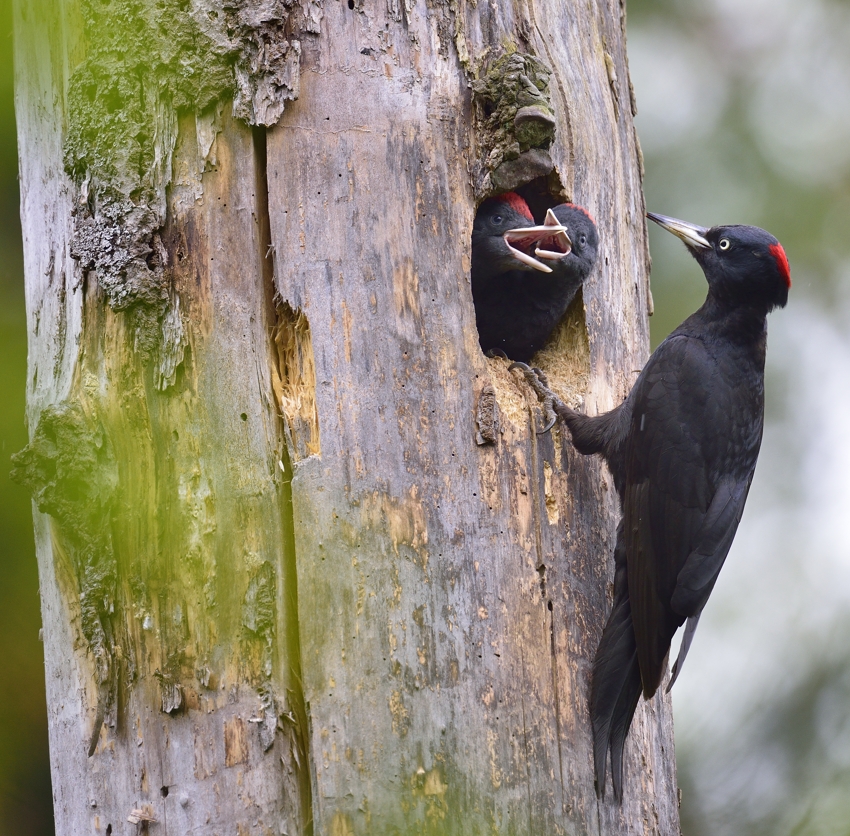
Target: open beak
<point>528,236</point>
<point>556,238</point>
<point>691,234</point>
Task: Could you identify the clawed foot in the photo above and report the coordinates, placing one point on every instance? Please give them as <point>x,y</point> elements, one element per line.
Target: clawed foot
<point>497,352</point>
<point>535,378</point>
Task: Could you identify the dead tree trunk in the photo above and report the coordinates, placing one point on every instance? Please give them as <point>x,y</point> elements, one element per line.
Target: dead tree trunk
<point>283,588</point>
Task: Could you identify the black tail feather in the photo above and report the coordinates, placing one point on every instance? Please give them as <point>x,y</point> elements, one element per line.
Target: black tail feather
<point>616,685</point>
<point>614,695</point>
<point>687,638</point>
<point>622,720</point>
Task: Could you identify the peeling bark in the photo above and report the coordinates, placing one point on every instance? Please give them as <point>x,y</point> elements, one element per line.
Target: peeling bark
<point>305,565</point>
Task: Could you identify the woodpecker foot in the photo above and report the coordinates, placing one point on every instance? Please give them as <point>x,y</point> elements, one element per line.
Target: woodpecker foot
<point>497,352</point>
<point>535,378</point>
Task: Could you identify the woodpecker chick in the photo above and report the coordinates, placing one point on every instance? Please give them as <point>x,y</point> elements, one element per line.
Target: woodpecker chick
<point>518,305</point>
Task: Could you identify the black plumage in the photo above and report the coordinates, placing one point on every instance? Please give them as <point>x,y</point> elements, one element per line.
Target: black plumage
<point>518,304</point>
<point>682,450</point>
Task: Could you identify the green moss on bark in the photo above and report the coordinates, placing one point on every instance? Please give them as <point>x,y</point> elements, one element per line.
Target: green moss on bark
<point>144,63</point>
<point>70,469</point>
<point>517,125</point>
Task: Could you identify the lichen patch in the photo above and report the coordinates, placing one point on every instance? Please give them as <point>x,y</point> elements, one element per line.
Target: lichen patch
<point>517,123</point>
<point>144,63</point>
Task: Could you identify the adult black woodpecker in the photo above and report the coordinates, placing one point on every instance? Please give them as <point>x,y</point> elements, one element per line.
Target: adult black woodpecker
<point>520,298</point>
<point>682,450</point>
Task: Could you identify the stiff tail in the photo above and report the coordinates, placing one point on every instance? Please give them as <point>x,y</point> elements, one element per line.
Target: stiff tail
<point>616,684</point>
<point>687,638</point>
<point>614,695</point>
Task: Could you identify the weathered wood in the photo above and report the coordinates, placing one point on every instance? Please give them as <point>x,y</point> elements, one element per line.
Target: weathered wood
<point>281,580</point>
<point>200,665</point>
<point>451,596</point>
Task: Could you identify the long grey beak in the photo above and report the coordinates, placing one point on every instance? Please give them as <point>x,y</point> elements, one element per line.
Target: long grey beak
<point>691,234</point>
<point>527,236</point>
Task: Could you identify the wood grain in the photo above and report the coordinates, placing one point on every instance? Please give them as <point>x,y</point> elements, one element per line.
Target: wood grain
<point>451,596</point>
<point>334,611</point>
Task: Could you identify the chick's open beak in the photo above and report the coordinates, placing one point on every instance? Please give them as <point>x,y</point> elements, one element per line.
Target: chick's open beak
<point>524,238</point>
<point>557,239</point>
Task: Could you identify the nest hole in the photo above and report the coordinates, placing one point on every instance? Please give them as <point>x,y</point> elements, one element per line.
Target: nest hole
<point>542,193</point>
<point>565,356</point>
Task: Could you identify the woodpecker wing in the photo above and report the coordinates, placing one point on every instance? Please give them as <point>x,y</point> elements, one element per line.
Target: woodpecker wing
<point>698,575</point>
<point>696,578</point>
<point>680,509</point>
<point>687,638</point>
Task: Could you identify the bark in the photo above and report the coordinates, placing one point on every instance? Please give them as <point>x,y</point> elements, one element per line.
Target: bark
<point>283,588</point>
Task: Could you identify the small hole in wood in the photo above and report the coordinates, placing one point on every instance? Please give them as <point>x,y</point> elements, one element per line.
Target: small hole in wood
<point>109,830</point>
<point>350,4</point>
<point>164,792</point>
<point>244,416</point>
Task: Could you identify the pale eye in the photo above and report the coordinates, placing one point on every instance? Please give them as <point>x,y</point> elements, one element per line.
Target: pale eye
<point>582,240</point>
<point>724,244</point>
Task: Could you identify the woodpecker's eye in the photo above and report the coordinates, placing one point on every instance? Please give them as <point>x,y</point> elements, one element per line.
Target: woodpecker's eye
<point>725,244</point>
<point>497,219</point>
<point>582,240</point>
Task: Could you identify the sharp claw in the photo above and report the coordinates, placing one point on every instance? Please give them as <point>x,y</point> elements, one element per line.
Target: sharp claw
<point>497,352</point>
<point>531,375</point>
<point>550,423</point>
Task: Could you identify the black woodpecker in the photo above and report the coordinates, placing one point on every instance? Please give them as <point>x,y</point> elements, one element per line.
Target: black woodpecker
<point>682,450</point>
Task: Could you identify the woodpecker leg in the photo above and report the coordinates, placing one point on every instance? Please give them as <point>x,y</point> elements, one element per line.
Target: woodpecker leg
<point>549,401</point>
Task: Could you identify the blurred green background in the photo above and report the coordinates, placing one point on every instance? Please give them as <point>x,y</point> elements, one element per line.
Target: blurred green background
<point>26,806</point>
<point>744,117</point>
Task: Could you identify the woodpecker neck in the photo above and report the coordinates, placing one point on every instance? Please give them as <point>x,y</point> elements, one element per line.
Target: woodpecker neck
<point>742,324</point>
